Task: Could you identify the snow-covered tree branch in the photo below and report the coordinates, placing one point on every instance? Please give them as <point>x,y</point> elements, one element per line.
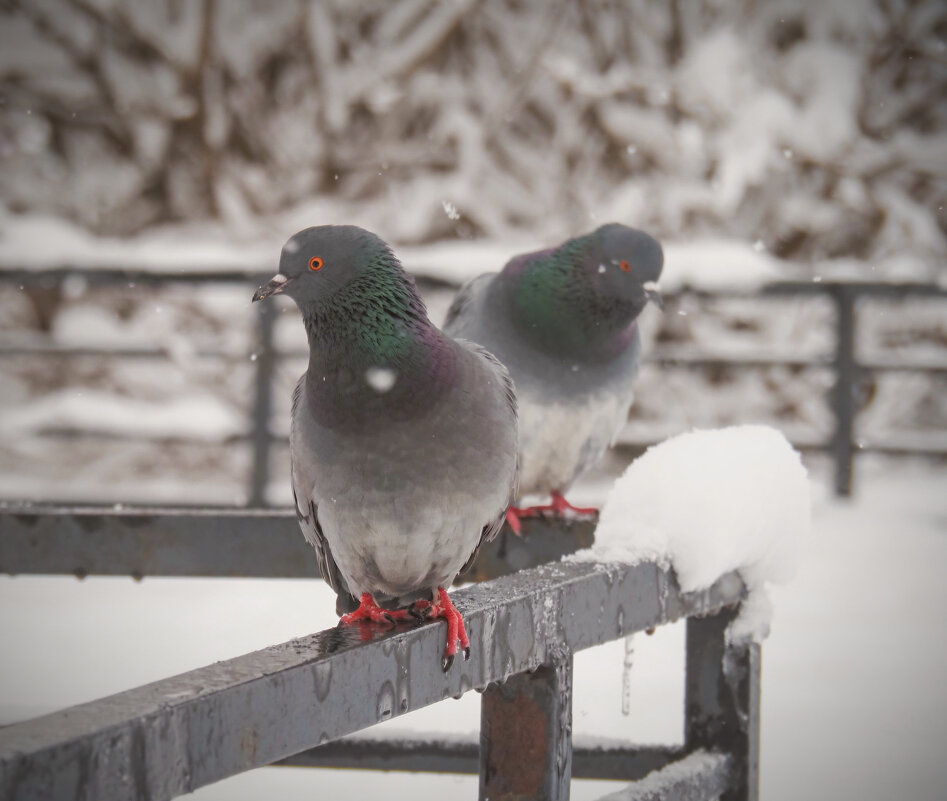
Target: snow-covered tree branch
<point>814,128</point>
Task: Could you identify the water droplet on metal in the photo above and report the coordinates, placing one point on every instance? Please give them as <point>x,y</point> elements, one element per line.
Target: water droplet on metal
<point>322,678</point>
<point>386,701</point>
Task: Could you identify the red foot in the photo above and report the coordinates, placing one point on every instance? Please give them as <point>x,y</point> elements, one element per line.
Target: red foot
<point>370,610</point>
<point>444,607</point>
<point>558,506</point>
<point>513,515</point>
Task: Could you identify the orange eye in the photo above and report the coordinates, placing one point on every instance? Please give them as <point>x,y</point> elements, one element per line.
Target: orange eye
<point>316,263</point>
<point>626,266</point>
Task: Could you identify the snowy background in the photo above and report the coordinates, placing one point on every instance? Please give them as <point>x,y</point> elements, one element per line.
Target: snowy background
<point>786,139</point>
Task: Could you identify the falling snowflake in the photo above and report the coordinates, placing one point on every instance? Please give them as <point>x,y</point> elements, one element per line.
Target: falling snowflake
<point>381,379</point>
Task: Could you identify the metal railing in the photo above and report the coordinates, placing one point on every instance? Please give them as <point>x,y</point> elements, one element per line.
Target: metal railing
<point>138,542</point>
<point>290,704</point>
<point>847,369</point>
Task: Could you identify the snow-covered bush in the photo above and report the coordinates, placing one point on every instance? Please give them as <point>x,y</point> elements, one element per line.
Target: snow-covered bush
<point>811,126</point>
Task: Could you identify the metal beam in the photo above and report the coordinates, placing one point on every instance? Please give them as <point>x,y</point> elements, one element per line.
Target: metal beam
<point>843,393</point>
<point>526,735</point>
<point>154,542</point>
<point>222,542</point>
<point>722,700</point>
<point>441,753</point>
<point>143,276</point>
<point>175,735</point>
<point>262,405</point>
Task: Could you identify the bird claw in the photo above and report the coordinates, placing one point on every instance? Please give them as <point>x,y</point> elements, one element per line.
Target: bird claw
<point>559,506</point>
<point>456,631</point>
<point>422,610</point>
<point>369,610</point>
<point>513,515</point>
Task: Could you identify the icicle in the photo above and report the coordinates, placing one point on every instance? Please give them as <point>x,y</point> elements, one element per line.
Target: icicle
<point>626,674</point>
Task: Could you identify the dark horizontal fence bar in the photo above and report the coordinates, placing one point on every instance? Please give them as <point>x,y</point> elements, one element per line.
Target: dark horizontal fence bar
<point>59,350</point>
<point>443,754</point>
<point>137,276</point>
<point>175,735</point>
<point>935,446</point>
<point>107,276</point>
<point>662,357</point>
<point>893,290</point>
<point>154,542</point>
<point>221,542</point>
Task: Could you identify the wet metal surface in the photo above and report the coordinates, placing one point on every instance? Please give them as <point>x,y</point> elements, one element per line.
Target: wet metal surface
<point>722,701</point>
<point>85,541</point>
<point>154,542</point>
<point>167,738</point>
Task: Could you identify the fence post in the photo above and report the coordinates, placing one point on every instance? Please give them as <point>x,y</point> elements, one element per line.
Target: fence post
<point>526,735</point>
<point>262,404</point>
<point>843,394</point>
<point>722,700</point>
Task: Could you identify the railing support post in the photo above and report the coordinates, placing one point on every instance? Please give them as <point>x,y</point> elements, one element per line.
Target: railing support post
<point>843,399</point>
<point>526,736</point>
<point>722,700</point>
<point>262,405</point>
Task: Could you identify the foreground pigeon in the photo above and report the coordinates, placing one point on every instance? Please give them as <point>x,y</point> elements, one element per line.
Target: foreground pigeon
<point>403,440</point>
<point>563,323</point>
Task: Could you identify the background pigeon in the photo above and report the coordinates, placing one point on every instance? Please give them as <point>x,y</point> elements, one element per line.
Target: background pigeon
<point>563,323</point>
<point>403,440</point>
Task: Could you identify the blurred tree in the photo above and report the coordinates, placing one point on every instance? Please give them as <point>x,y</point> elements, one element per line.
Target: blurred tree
<point>818,128</point>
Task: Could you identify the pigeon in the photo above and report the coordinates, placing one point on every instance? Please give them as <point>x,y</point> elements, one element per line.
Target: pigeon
<point>563,321</point>
<point>402,441</point>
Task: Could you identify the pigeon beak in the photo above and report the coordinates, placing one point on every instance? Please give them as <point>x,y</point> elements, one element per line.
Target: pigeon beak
<point>652,293</point>
<point>276,285</point>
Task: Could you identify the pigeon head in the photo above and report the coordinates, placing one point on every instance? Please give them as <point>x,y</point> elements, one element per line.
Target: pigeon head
<point>318,263</point>
<point>583,297</point>
<point>623,265</point>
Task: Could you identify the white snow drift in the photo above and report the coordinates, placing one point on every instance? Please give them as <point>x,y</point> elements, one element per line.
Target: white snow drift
<point>707,503</point>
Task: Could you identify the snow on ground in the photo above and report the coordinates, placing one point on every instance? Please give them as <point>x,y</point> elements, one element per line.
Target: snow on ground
<point>39,242</point>
<point>707,503</point>
<point>854,705</point>
<point>199,417</point>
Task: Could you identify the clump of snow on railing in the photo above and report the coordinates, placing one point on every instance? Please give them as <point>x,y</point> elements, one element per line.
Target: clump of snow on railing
<point>707,503</point>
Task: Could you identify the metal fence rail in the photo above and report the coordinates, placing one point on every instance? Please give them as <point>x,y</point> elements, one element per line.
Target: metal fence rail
<point>173,736</point>
<point>210,541</point>
<point>848,370</point>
